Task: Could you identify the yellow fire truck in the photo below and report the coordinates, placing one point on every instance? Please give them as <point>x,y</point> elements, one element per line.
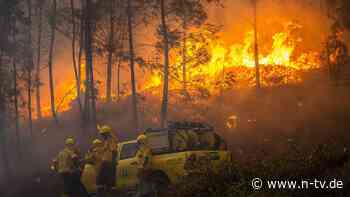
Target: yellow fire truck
<point>168,162</point>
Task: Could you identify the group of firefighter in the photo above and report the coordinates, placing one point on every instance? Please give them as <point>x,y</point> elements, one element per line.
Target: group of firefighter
<point>103,156</point>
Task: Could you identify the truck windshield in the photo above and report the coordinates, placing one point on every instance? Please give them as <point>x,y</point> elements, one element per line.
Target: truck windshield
<point>128,150</point>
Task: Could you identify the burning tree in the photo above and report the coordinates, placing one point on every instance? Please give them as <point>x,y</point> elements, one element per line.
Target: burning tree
<point>188,13</point>
<point>199,59</point>
<point>52,22</point>
<point>209,59</point>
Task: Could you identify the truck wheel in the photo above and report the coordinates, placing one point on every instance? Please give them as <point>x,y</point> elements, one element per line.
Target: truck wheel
<point>160,185</point>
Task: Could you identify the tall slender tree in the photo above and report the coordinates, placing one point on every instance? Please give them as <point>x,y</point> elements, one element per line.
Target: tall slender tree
<point>118,78</point>
<point>89,25</point>
<point>256,48</point>
<point>164,32</point>
<point>82,52</point>
<point>29,67</point>
<point>15,93</point>
<point>171,12</point>
<point>38,60</point>
<point>52,21</point>
<point>191,13</point>
<point>130,17</point>
<point>3,114</point>
<point>76,67</point>
<point>184,49</point>
<point>111,50</point>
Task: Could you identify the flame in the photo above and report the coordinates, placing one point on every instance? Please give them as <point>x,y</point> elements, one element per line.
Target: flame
<point>66,93</point>
<point>154,81</point>
<point>279,65</point>
<point>229,66</point>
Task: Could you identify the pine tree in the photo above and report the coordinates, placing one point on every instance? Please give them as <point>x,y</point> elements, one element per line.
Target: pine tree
<point>52,21</point>
<point>164,31</point>
<point>132,63</point>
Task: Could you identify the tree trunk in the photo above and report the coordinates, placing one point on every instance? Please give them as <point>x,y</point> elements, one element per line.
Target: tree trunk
<point>256,48</point>
<point>3,138</point>
<point>85,106</point>
<point>29,101</point>
<point>122,36</point>
<point>164,110</point>
<point>87,85</point>
<point>328,53</point>
<point>132,65</point>
<point>37,73</point>
<point>110,54</point>
<point>184,49</point>
<point>50,64</point>
<point>29,67</point>
<point>15,102</point>
<point>89,59</point>
<point>6,165</point>
<point>76,72</point>
<point>80,54</point>
<point>118,78</point>
<point>15,96</point>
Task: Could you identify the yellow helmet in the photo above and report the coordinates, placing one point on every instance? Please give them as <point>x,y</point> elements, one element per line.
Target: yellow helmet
<point>96,142</point>
<point>142,139</point>
<point>69,141</point>
<point>105,129</point>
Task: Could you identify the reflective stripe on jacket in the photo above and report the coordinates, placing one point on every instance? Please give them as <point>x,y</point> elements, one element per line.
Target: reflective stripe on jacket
<point>144,157</point>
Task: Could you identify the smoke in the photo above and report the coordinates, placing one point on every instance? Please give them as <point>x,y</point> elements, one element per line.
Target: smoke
<point>236,18</point>
<point>306,113</point>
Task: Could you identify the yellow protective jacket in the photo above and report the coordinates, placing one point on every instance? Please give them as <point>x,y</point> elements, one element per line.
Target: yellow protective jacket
<point>67,161</point>
<point>109,147</point>
<point>185,139</point>
<point>208,140</point>
<point>94,157</point>
<point>144,158</point>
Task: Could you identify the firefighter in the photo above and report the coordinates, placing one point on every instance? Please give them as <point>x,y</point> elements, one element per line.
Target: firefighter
<point>192,139</point>
<point>67,164</point>
<point>107,171</point>
<point>186,140</point>
<point>93,160</point>
<point>209,140</point>
<point>144,165</point>
<point>93,156</point>
<point>336,51</point>
<point>179,142</point>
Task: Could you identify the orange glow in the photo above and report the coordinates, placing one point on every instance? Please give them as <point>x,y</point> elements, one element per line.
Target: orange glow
<point>279,58</point>
<point>65,94</point>
<point>280,64</point>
